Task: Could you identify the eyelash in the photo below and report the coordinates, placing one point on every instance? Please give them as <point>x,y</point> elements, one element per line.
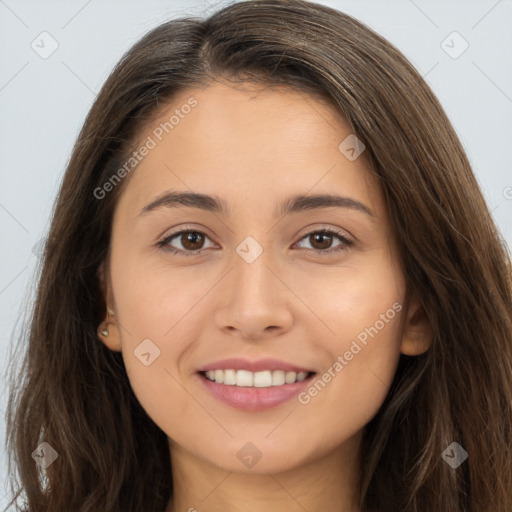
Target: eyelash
<point>163,244</point>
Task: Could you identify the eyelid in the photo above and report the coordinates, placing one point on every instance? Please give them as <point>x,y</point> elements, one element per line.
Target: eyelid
<point>346,238</point>
<point>346,241</point>
<point>183,227</point>
<point>306,231</point>
<point>164,239</point>
<point>313,228</point>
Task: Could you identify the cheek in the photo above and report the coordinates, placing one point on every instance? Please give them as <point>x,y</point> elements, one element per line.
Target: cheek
<point>349,392</point>
<point>354,303</point>
<point>157,300</point>
<point>360,335</point>
<point>158,313</point>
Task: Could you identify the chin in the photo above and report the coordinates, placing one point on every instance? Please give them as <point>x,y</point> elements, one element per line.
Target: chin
<point>260,458</point>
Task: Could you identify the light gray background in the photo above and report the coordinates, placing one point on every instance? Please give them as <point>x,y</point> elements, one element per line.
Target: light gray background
<point>44,102</point>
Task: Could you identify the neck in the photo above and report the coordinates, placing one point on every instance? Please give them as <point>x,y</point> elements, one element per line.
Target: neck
<point>328,482</point>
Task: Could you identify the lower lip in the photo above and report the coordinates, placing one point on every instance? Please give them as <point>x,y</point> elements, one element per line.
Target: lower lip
<point>254,399</point>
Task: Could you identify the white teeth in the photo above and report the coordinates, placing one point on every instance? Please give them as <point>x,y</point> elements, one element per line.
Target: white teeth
<point>229,377</point>
<point>290,377</point>
<point>264,379</point>
<point>243,378</point>
<point>278,378</point>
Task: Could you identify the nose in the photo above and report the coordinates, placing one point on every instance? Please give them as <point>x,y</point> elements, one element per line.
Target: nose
<point>255,301</point>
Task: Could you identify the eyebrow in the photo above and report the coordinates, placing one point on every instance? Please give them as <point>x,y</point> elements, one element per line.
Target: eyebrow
<point>294,204</point>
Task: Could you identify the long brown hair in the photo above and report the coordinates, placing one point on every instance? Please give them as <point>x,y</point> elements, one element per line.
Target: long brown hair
<point>74,393</point>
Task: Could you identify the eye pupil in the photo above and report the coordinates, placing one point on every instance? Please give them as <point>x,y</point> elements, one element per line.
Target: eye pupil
<point>191,236</point>
<point>324,236</point>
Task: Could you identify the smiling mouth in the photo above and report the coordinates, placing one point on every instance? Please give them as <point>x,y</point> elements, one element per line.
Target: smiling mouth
<point>248,379</point>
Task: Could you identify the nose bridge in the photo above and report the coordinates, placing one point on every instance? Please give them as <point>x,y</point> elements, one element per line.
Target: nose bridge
<point>255,298</point>
<point>253,280</point>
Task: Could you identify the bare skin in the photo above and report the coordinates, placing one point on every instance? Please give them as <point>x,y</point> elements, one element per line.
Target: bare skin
<point>254,148</point>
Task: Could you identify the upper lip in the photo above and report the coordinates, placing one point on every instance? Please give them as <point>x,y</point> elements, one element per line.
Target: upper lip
<point>259,365</point>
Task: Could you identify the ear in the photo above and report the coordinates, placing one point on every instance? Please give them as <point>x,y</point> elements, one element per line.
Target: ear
<point>418,333</point>
<point>109,324</point>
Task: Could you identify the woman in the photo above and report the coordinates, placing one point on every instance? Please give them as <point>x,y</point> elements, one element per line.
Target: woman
<point>188,351</point>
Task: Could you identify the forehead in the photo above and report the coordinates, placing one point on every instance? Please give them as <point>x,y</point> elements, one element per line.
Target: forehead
<point>230,139</point>
<point>252,116</point>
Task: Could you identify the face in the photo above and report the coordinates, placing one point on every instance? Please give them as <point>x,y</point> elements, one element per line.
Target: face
<point>315,288</point>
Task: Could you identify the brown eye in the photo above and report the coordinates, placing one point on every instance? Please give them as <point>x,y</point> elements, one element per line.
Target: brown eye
<point>321,241</point>
<point>191,241</point>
